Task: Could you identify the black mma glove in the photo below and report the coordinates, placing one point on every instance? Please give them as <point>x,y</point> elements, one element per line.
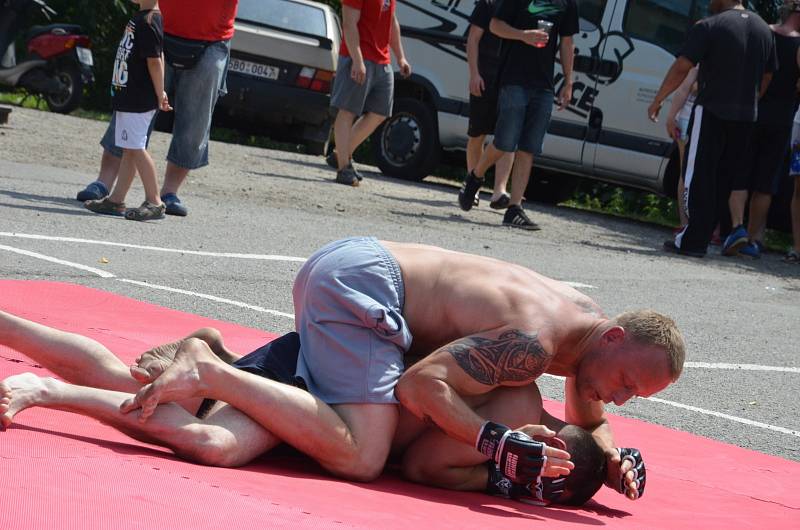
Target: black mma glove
<point>541,493</point>
<point>639,470</point>
<point>519,457</point>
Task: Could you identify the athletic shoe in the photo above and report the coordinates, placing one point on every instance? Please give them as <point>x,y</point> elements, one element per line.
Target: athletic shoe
<point>347,176</point>
<point>672,248</point>
<point>735,241</point>
<point>359,176</point>
<point>501,203</point>
<point>516,218</point>
<point>174,206</point>
<point>468,192</point>
<point>146,212</point>
<point>106,207</point>
<point>751,250</point>
<point>93,192</point>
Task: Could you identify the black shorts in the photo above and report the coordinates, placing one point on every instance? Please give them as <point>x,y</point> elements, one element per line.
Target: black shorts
<point>276,360</point>
<point>483,111</point>
<point>765,158</point>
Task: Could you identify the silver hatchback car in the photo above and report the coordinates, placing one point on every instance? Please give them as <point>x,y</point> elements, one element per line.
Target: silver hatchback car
<point>283,57</point>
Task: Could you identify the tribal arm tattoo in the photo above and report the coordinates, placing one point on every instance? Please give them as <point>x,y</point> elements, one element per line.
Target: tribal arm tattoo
<point>513,357</point>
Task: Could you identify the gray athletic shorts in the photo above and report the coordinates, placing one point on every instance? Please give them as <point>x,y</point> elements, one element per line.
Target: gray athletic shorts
<point>348,301</point>
<point>375,95</point>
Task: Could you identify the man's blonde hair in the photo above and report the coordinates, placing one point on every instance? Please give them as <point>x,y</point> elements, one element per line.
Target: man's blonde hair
<point>648,327</point>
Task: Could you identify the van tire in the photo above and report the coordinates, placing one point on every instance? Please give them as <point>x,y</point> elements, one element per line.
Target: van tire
<point>406,145</point>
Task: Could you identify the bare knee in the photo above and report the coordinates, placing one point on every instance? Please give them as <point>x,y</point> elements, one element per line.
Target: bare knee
<point>357,469</point>
<point>213,447</point>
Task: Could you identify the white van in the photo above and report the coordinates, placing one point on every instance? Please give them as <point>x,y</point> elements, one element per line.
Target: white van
<point>623,50</point>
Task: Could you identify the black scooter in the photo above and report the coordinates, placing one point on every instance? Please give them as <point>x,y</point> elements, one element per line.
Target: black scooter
<point>59,60</point>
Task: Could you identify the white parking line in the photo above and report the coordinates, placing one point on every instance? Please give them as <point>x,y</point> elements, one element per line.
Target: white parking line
<point>707,412</point>
<point>745,367</point>
<point>208,297</point>
<point>744,421</point>
<point>265,257</point>
<point>101,273</point>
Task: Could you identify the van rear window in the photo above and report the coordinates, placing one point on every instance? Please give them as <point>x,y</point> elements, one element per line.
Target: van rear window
<point>284,14</point>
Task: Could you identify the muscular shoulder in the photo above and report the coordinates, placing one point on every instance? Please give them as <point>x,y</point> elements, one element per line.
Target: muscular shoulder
<point>507,357</point>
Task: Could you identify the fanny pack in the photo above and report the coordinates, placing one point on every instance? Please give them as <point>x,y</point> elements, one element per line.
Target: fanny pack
<point>183,54</point>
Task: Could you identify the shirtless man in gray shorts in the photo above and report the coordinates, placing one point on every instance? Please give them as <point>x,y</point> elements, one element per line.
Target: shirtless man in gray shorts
<point>362,307</point>
<point>422,453</point>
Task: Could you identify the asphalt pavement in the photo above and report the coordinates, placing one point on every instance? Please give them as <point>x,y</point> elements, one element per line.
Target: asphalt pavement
<point>255,214</point>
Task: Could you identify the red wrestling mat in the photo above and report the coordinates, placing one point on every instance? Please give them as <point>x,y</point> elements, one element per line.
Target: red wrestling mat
<point>60,470</point>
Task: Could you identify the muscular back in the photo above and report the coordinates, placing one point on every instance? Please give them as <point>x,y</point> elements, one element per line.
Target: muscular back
<point>450,295</point>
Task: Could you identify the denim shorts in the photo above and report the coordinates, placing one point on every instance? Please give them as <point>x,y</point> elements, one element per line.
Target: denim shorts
<point>348,302</point>
<point>523,115</point>
<point>375,95</point>
<point>193,95</point>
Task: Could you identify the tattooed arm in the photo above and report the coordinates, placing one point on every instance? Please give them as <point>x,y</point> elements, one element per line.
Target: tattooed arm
<point>432,388</point>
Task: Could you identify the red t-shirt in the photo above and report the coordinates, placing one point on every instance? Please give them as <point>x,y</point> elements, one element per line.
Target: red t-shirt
<point>374,29</point>
<point>210,20</point>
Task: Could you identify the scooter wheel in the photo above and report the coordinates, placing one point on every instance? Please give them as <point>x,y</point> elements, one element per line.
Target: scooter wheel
<point>69,97</point>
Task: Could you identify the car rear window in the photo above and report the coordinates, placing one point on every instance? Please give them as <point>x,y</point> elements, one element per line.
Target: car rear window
<point>284,14</point>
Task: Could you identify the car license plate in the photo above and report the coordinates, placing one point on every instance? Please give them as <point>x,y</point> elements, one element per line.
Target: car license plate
<point>258,70</point>
<point>85,56</point>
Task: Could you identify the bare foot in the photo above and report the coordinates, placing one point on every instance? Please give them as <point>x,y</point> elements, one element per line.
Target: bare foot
<point>152,363</point>
<point>20,392</point>
<point>179,381</point>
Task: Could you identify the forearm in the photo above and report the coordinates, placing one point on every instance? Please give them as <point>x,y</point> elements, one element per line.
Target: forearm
<point>352,38</point>
<point>675,76</point>
<point>504,30</point>
<point>435,402</point>
<point>604,436</point>
<point>395,41</point>
<point>567,53</point>
<point>473,39</point>
<point>156,68</point>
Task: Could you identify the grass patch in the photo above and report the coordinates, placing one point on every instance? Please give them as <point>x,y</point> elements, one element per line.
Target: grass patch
<point>623,202</point>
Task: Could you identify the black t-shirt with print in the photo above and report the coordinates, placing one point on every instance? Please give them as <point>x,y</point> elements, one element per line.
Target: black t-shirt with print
<point>490,46</point>
<point>734,49</point>
<point>527,65</point>
<point>131,87</point>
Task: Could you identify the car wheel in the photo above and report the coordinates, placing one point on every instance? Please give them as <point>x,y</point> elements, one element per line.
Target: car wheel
<point>406,145</point>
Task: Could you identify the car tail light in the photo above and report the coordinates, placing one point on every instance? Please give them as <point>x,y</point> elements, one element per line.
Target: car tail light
<point>316,80</point>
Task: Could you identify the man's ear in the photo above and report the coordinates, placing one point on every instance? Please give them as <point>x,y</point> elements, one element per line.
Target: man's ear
<point>614,335</point>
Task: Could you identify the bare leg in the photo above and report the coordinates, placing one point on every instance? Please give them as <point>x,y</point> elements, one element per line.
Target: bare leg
<point>349,440</point>
<point>759,210</point>
<point>83,361</point>
<point>364,126</point>
<point>520,177</point>
<point>474,151</point>
<point>147,172</point>
<point>174,177</point>
<point>109,167</point>
<point>342,133</point>
<point>502,170</point>
<point>737,202</point>
<point>227,438</point>
<point>77,359</point>
<point>490,157</point>
<point>796,213</point>
<point>127,172</point>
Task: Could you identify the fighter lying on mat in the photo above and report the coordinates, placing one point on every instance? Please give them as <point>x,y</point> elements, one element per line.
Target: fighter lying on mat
<point>476,323</point>
<point>426,455</point>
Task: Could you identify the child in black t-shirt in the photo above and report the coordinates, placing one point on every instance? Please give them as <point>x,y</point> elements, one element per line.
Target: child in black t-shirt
<point>137,90</point>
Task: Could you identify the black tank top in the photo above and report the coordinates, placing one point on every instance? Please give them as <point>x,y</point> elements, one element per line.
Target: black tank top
<point>780,101</point>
